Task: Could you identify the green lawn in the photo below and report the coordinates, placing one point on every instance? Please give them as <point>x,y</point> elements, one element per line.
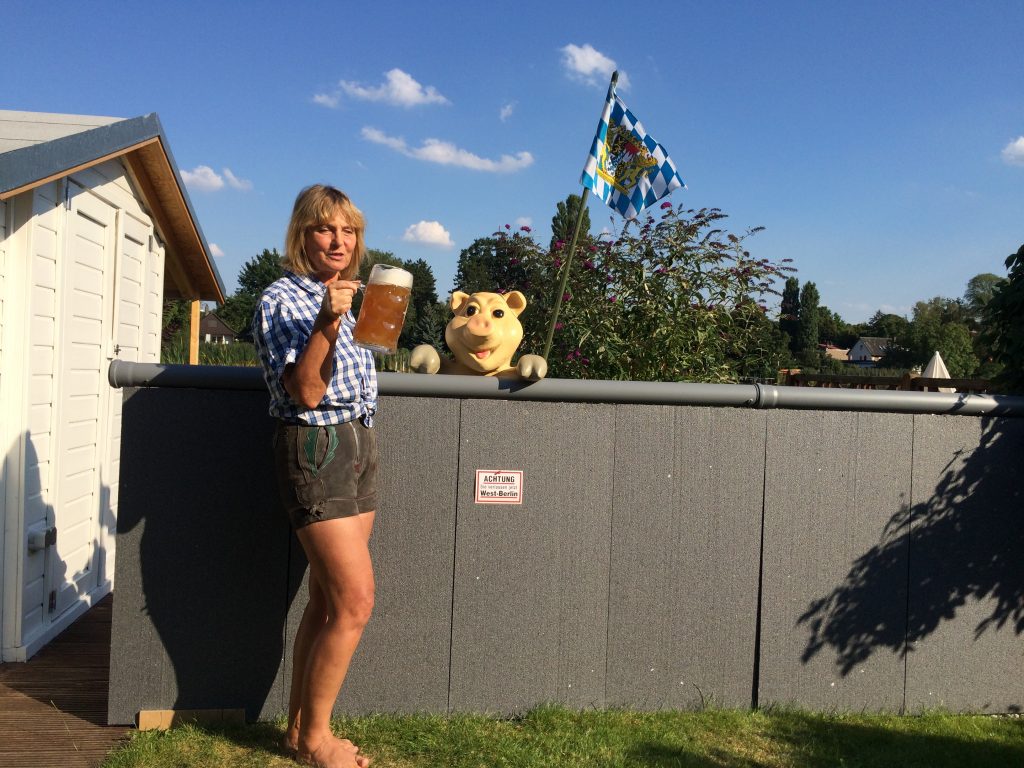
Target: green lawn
<point>552,736</point>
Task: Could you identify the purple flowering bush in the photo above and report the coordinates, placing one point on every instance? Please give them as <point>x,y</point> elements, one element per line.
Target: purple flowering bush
<point>673,298</point>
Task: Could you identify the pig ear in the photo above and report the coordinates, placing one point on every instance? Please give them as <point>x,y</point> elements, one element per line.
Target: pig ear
<point>457,300</point>
<point>516,302</point>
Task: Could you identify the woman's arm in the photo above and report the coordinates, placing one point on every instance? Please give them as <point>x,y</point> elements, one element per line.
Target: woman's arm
<point>306,380</point>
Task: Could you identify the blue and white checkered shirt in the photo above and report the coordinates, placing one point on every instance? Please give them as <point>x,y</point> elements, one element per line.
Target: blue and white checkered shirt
<point>282,325</point>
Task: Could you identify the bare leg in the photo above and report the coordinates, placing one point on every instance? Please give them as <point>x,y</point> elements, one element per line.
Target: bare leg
<point>341,571</point>
<point>313,618</point>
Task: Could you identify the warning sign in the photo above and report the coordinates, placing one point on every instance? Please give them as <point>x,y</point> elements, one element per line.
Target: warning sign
<point>499,486</point>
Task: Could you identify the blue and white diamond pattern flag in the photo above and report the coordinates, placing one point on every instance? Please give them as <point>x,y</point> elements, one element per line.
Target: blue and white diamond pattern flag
<point>627,168</point>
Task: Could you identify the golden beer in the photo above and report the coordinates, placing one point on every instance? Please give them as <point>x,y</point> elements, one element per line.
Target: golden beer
<point>382,313</point>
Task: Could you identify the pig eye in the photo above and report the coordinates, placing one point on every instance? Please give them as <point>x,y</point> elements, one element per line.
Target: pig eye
<point>470,311</point>
<point>498,313</point>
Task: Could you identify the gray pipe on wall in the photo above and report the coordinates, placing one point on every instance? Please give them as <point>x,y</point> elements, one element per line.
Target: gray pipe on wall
<point>128,374</point>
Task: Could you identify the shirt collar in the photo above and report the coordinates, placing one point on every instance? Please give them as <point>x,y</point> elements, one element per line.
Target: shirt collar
<point>309,284</point>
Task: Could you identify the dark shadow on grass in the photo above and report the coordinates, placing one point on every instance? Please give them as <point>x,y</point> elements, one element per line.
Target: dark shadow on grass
<point>820,742</point>
<point>964,543</point>
<point>655,755</point>
<point>264,736</point>
<point>801,740</point>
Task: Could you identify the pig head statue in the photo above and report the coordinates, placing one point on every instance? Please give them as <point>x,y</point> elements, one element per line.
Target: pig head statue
<point>483,335</point>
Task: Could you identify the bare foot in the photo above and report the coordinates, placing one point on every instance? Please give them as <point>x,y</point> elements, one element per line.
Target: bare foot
<point>290,740</point>
<point>289,745</point>
<point>333,753</point>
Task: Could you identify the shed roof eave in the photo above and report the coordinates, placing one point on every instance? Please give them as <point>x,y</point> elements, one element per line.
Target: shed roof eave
<point>143,145</point>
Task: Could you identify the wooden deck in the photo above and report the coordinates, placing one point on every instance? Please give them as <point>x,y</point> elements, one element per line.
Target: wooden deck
<point>53,708</point>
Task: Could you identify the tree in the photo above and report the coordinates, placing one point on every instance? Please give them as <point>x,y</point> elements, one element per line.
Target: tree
<point>1004,325</point>
<point>955,345</point>
<point>476,266</point>
<point>428,327</point>
<point>373,257</point>
<point>832,329</point>
<point>491,263</point>
<point>807,333</point>
<point>888,326</point>
<point>980,290</point>
<point>939,325</point>
<point>176,315</point>
<point>563,222</point>
<point>789,311</point>
<point>237,311</point>
<point>770,355</point>
<point>259,272</point>
<point>256,274</point>
<point>423,322</point>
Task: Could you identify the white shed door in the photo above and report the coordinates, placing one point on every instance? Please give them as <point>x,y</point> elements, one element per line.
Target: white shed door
<point>86,330</point>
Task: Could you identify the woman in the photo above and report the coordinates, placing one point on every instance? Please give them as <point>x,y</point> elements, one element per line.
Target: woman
<point>323,391</point>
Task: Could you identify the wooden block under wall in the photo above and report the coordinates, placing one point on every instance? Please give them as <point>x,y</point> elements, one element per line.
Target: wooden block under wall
<point>162,719</point>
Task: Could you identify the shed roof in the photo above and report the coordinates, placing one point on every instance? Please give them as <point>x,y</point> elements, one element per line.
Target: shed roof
<point>38,147</point>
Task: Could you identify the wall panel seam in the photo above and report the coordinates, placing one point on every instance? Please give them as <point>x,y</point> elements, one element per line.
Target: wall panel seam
<point>611,554</point>
<point>755,682</point>
<point>455,552</point>
<point>910,528</point>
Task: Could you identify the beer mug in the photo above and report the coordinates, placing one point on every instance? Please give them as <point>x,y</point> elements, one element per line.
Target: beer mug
<point>382,313</point>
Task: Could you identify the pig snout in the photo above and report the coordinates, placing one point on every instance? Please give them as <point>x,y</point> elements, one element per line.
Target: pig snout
<point>480,325</point>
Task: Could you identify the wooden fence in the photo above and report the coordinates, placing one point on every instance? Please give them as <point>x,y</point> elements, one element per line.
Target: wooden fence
<point>907,382</point>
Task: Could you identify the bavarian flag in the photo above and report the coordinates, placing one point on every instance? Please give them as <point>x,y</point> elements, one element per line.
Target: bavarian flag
<point>627,168</point>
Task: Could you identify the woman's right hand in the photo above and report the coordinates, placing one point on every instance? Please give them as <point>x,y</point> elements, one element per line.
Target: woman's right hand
<point>338,298</point>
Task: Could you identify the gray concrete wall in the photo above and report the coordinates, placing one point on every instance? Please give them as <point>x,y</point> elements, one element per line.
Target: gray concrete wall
<point>834,483</point>
<point>663,557</point>
<point>685,547</point>
<point>966,579</point>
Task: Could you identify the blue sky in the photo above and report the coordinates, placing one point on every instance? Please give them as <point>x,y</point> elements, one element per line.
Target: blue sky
<point>881,144</point>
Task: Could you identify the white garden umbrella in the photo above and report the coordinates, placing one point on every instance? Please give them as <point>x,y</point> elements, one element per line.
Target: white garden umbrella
<point>936,369</point>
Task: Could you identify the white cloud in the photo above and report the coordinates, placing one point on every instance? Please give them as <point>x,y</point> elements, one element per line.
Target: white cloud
<point>206,179</point>
<point>379,137</point>
<point>329,100</point>
<point>446,153</point>
<point>400,90</point>
<point>203,178</point>
<point>236,183</point>
<point>585,63</point>
<point>523,221</point>
<point>1013,153</point>
<point>215,250</point>
<point>428,233</point>
<point>506,111</point>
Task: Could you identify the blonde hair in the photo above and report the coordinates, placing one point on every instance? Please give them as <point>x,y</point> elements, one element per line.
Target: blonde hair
<point>316,205</point>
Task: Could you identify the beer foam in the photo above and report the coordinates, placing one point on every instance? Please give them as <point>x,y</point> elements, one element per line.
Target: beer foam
<point>384,274</point>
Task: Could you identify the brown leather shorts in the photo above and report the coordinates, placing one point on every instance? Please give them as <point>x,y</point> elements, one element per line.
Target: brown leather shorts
<point>324,472</point>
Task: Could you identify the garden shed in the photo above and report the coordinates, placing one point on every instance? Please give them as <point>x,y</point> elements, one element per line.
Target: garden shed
<point>96,229</point>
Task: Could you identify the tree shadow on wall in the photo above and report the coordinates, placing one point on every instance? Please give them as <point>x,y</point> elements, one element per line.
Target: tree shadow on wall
<point>964,543</point>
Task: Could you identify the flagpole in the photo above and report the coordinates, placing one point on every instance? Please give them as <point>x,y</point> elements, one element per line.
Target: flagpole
<point>572,246</point>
